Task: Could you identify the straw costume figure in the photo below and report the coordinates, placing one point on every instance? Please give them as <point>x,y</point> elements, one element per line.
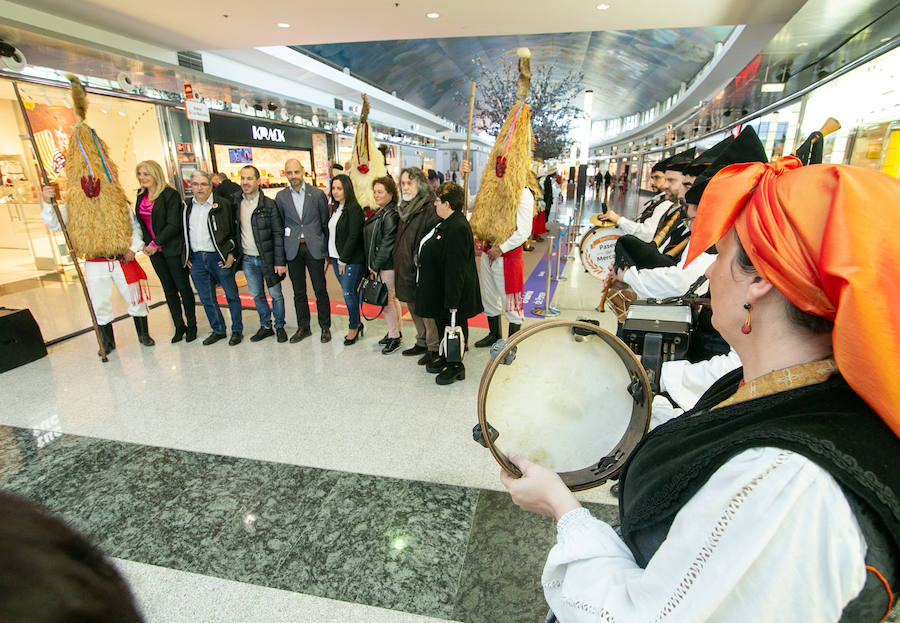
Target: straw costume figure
<point>366,162</point>
<point>103,230</point>
<point>502,215</point>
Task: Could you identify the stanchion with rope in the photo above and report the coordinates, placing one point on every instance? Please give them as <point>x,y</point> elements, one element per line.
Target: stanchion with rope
<point>547,310</point>
<point>562,236</point>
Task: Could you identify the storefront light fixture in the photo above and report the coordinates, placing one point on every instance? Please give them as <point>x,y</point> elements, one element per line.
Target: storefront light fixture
<point>772,87</point>
<point>283,25</point>
<point>432,15</point>
<point>602,7</point>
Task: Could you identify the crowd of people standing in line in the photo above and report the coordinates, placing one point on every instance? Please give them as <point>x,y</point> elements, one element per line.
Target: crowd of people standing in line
<point>416,241</point>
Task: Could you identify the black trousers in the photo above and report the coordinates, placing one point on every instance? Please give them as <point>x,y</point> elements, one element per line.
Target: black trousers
<point>297,269</point>
<point>177,288</point>
<point>631,251</point>
<point>444,322</point>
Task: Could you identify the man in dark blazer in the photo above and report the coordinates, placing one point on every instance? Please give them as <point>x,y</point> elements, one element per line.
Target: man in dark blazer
<point>304,212</point>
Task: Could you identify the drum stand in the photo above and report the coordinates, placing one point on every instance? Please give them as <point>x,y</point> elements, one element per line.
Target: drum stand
<point>547,311</point>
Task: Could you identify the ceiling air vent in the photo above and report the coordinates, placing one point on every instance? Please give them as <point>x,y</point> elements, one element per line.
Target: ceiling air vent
<point>191,60</point>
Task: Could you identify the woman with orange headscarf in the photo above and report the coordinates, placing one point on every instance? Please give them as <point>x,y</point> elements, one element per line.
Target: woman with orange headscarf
<point>778,496</point>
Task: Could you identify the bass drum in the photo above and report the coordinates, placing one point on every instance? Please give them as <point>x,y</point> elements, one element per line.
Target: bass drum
<point>580,417</point>
<point>598,249</point>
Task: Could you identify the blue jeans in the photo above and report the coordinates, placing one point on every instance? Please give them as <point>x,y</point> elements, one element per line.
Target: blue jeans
<point>206,273</point>
<point>353,274</point>
<point>256,283</point>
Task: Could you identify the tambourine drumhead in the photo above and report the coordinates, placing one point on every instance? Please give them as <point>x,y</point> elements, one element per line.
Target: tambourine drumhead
<point>576,404</point>
<point>598,250</point>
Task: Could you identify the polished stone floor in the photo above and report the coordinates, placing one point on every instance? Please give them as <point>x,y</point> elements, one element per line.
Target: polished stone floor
<point>269,482</point>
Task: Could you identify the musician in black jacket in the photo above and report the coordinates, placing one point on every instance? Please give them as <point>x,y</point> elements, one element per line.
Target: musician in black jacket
<point>158,210</point>
<point>447,279</point>
<point>259,235</point>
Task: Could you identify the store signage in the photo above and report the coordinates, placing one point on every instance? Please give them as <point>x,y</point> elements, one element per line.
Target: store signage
<point>262,133</point>
<point>196,111</point>
<point>188,91</point>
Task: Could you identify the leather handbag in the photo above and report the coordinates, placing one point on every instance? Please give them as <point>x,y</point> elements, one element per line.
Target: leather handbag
<point>452,343</point>
<point>373,292</point>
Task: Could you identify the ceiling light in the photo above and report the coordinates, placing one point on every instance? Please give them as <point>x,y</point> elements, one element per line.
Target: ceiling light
<point>802,44</point>
<point>772,87</point>
<point>284,25</point>
<point>432,15</point>
<point>602,7</point>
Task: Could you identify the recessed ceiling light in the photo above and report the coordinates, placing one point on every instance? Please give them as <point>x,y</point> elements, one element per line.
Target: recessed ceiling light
<point>284,25</point>
<point>885,40</point>
<point>432,15</point>
<point>772,87</point>
<point>802,44</point>
<point>602,7</point>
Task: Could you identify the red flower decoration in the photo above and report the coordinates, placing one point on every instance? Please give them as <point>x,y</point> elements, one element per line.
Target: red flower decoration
<point>91,186</point>
<point>500,167</point>
<point>363,168</point>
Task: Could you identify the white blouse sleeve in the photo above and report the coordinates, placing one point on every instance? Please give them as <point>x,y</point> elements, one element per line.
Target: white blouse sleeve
<point>523,222</point>
<point>644,231</point>
<point>685,382</point>
<point>770,537</point>
<point>48,215</point>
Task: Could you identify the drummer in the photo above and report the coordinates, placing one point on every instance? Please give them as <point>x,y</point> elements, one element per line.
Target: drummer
<point>667,281</point>
<point>644,226</point>
<point>776,497</point>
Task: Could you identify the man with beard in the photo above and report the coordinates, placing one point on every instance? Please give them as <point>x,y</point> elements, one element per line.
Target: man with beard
<point>644,226</point>
<point>417,218</point>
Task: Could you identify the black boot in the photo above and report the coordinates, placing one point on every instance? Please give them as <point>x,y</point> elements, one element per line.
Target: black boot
<point>107,338</point>
<point>493,335</point>
<point>143,331</point>
<point>453,372</point>
<point>180,332</point>
<point>513,327</point>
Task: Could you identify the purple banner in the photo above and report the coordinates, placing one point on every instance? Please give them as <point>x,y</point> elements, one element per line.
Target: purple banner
<point>536,284</point>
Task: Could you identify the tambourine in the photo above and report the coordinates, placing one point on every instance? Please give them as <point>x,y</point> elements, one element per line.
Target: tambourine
<point>598,249</point>
<point>580,416</point>
<point>597,221</point>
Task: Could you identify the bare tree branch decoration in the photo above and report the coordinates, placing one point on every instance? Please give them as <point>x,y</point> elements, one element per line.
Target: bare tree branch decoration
<point>551,101</point>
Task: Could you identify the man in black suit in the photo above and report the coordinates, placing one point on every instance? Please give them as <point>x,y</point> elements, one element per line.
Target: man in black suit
<point>304,212</point>
<point>261,241</point>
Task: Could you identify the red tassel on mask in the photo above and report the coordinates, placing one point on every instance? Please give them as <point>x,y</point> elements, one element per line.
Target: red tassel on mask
<point>91,186</point>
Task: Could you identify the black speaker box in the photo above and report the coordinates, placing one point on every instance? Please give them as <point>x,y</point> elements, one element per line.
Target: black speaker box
<point>21,341</point>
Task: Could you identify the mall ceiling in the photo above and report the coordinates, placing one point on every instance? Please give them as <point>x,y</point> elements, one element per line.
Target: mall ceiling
<point>229,24</point>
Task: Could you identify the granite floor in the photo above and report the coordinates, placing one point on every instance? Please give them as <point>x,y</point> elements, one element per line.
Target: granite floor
<point>269,482</point>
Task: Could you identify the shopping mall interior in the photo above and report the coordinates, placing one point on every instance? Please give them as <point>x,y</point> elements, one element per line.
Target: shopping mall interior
<point>328,481</point>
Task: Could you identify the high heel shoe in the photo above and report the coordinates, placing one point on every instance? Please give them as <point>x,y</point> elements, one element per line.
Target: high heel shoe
<point>180,332</point>
<point>360,330</point>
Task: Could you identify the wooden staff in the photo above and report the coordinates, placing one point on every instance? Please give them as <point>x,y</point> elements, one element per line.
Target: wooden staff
<point>62,225</point>
<point>469,147</point>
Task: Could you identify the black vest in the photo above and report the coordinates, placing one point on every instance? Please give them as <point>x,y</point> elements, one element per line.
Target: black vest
<point>827,423</point>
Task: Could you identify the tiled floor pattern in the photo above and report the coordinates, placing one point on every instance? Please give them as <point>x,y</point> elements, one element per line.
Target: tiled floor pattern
<point>448,552</point>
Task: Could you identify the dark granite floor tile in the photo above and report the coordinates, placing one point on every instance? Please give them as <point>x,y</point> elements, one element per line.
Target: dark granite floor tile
<point>415,564</point>
<point>341,538</point>
<point>501,578</point>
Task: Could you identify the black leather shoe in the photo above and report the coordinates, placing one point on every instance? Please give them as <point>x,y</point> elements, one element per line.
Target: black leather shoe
<point>360,330</point>
<point>212,338</point>
<point>326,336</point>
<point>179,334</point>
<point>191,333</point>
<point>453,372</point>
<point>262,334</point>
<point>281,334</point>
<point>437,365</point>
<point>428,357</point>
<point>392,345</point>
<point>301,334</point>
<point>236,338</point>
<point>415,351</point>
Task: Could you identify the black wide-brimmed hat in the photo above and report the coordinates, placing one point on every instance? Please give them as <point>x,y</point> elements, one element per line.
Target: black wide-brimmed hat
<point>745,148</point>
<point>704,160</point>
<point>682,159</point>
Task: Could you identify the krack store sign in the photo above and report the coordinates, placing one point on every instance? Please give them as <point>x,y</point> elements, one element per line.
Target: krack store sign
<point>225,130</point>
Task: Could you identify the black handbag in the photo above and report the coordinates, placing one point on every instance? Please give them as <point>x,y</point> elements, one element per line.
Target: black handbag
<point>373,292</point>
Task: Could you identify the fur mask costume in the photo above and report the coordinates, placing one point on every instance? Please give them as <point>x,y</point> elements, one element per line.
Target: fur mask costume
<point>367,162</point>
<point>99,221</point>
<point>505,175</point>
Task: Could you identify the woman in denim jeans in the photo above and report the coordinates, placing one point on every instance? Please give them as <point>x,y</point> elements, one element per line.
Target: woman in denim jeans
<point>345,248</point>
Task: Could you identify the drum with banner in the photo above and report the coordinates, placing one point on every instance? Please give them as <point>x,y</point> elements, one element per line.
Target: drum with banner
<point>581,419</point>
<point>598,249</point>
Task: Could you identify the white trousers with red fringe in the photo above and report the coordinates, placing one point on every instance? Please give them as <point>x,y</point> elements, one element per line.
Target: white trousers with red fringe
<point>100,277</point>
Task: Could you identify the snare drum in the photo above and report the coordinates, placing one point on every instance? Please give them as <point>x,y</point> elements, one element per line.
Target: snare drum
<point>598,249</point>
<point>581,418</point>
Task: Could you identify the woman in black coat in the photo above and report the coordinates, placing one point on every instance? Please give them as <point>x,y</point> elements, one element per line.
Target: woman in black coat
<point>380,233</point>
<point>159,210</point>
<point>345,248</point>
<point>447,279</point>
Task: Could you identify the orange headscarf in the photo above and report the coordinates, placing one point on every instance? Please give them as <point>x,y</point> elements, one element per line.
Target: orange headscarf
<point>828,237</point>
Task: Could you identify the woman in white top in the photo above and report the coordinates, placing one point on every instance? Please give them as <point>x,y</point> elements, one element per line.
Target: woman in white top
<point>776,497</point>
<point>345,248</point>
